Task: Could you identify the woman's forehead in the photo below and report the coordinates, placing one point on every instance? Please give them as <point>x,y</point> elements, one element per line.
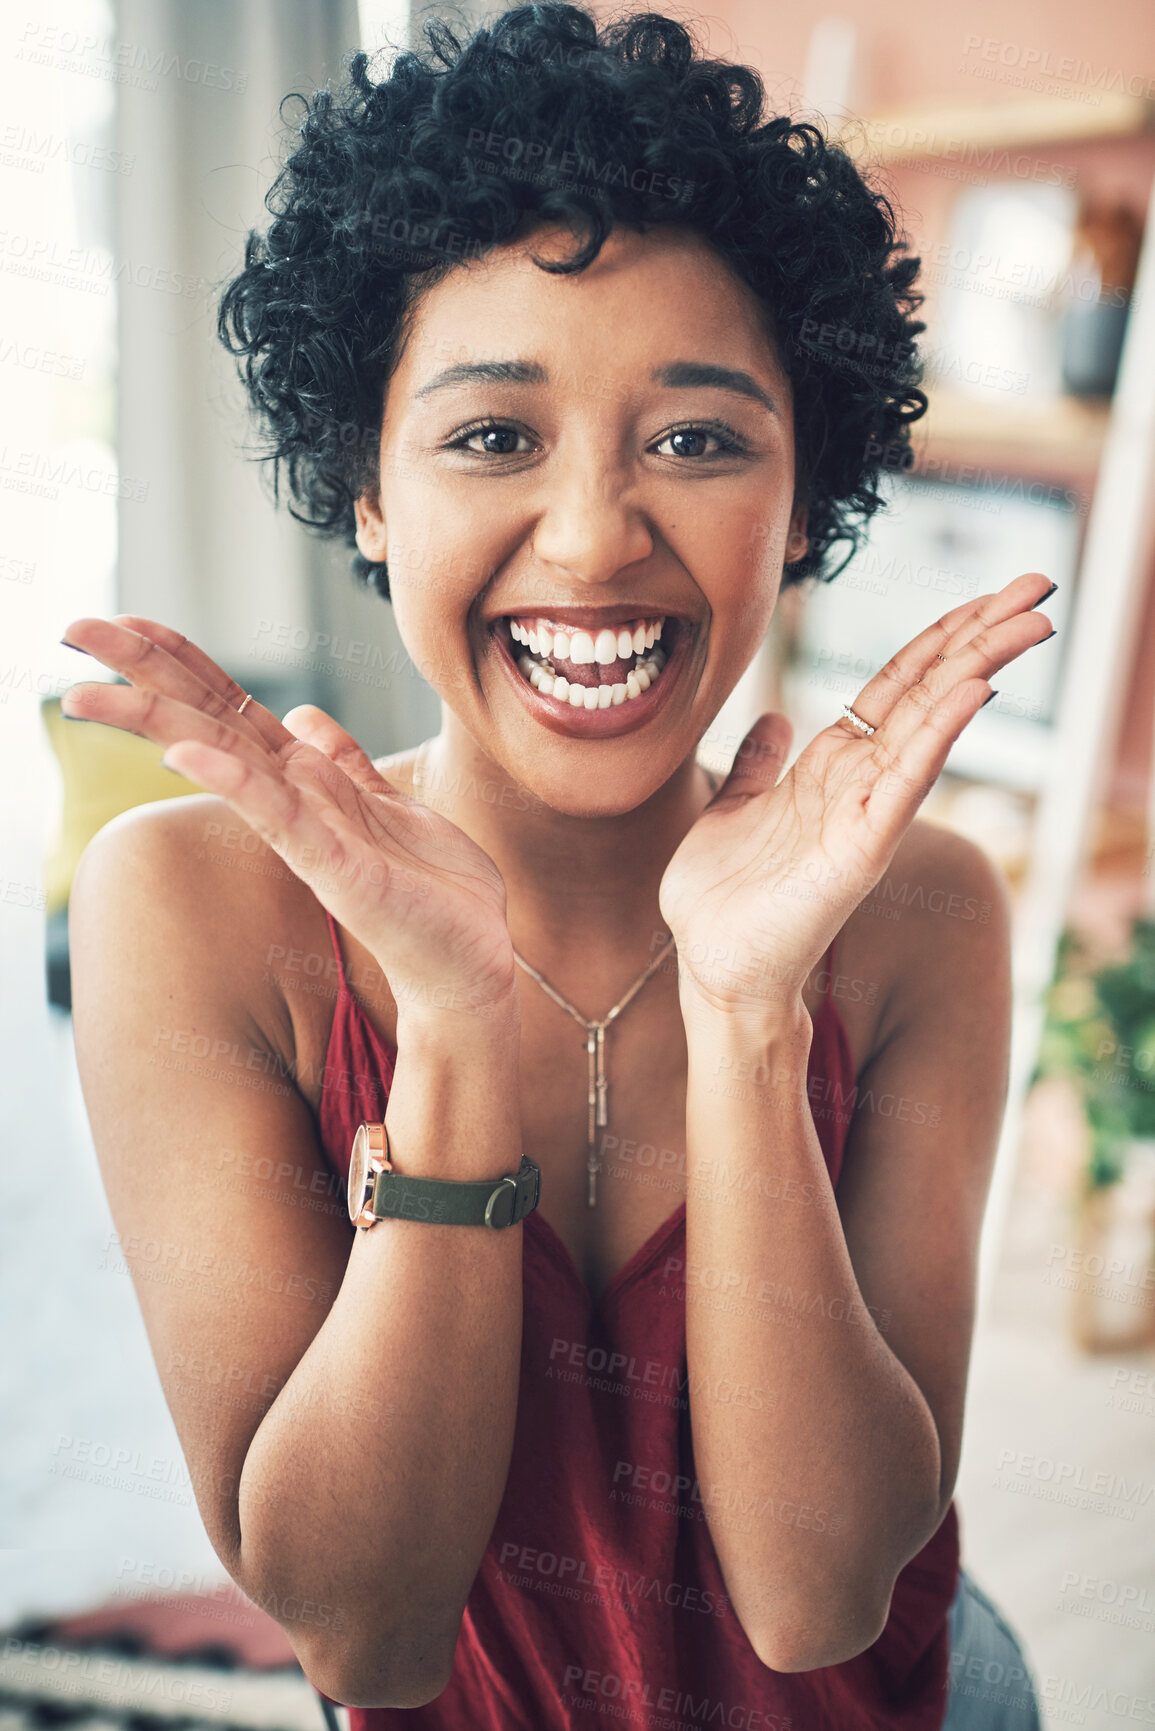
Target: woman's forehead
<point>664,294</point>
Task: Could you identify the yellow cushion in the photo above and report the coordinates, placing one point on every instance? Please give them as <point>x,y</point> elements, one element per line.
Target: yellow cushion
<point>105,771</point>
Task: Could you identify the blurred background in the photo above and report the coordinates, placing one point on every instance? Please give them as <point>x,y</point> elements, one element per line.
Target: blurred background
<point>138,141</point>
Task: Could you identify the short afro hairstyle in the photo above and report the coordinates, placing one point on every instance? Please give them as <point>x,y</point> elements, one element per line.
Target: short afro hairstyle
<point>543,116</point>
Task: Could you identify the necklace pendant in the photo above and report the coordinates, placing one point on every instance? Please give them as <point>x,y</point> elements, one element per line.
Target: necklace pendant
<point>592,1182</point>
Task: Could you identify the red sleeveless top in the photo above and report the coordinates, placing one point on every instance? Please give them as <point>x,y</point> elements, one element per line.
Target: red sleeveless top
<point>600,1592</point>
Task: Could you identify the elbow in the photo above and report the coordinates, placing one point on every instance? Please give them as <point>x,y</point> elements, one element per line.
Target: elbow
<point>399,1670</point>
<point>811,1639</point>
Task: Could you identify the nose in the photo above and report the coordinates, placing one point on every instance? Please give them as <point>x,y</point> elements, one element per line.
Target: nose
<point>590,526</point>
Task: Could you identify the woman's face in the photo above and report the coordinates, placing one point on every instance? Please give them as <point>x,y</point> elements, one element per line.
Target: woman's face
<point>567,464</point>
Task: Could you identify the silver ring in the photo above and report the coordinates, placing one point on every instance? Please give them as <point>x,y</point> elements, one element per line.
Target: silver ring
<point>862,726</point>
<point>247,698</point>
<point>940,657</point>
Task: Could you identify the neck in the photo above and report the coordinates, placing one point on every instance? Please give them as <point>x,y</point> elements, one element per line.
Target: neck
<point>581,890</point>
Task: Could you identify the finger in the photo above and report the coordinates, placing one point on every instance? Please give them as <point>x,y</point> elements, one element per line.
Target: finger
<point>164,720</point>
<point>272,805</point>
<point>905,779</point>
<point>164,660</point>
<point>318,843</point>
<point>945,637</point>
<point>759,760</point>
<point>990,647</point>
<point>315,728</point>
<point>152,715</point>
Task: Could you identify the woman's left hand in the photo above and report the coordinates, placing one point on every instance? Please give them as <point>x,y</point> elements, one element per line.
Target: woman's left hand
<point>771,871</point>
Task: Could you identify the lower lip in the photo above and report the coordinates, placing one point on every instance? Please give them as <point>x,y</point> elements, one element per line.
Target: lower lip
<point>595,723</point>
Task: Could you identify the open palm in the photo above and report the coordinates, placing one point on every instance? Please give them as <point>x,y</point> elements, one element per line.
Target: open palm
<point>423,898</point>
<point>772,869</point>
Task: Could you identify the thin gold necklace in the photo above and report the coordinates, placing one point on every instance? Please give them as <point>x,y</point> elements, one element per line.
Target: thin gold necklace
<point>597,1091</point>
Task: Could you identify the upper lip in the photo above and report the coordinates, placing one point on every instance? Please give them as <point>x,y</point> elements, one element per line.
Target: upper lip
<point>590,618</point>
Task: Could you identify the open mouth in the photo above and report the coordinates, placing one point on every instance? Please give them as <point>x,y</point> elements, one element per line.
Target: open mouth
<point>589,670</point>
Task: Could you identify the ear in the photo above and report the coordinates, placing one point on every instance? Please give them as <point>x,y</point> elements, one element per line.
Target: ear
<point>371,537</point>
<point>797,540</point>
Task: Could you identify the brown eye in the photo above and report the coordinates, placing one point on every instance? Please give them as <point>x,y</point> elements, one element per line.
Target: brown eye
<point>493,439</point>
<point>710,440</point>
<point>690,442</point>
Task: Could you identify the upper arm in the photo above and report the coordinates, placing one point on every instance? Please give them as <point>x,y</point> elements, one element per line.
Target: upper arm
<point>186,1098</point>
<point>928,1112</point>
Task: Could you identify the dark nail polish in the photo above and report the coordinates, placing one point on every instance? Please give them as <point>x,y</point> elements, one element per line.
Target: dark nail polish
<point>75,646</point>
<point>986,700</point>
<point>1043,598</point>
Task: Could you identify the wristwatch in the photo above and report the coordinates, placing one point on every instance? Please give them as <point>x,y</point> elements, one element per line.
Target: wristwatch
<point>376,1192</point>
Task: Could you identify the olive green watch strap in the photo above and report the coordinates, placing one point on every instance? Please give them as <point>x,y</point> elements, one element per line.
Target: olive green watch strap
<point>446,1202</point>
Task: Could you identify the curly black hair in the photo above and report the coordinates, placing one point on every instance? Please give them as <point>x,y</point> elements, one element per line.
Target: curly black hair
<point>545,116</point>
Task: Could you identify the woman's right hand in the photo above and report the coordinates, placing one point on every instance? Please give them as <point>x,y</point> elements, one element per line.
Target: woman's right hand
<point>424,899</point>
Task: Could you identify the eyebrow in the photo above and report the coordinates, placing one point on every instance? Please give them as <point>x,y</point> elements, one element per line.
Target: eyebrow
<point>485,372</point>
<point>691,375</point>
<point>679,375</point>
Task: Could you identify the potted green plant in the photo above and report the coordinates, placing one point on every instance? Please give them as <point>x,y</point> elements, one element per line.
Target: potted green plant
<point>1100,1035</point>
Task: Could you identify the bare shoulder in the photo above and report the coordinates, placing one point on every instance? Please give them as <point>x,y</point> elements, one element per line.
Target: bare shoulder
<point>194,893</point>
<point>932,936</point>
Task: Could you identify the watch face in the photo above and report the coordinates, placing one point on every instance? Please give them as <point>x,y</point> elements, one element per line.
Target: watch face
<point>358,1171</point>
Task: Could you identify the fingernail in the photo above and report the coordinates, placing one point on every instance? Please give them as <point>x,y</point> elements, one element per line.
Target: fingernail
<point>1042,598</point>
<point>986,700</point>
<point>75,646</point>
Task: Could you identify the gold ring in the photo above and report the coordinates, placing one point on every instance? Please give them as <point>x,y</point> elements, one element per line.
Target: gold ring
<point>247,698</point>
<point>940,657</point>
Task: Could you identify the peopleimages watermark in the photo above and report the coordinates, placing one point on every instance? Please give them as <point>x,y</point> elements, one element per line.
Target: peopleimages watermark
<point>1069,1482</point>
<point>523,158</point>
<point>968,160</point>
<point>95,1675</point>
<point>1034,64</point>
<point>25,148</point>
<point>605,1693</point>
<point>133,63</point>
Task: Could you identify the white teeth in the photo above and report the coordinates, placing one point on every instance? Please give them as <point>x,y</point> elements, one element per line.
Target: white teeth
<point>582,647</point>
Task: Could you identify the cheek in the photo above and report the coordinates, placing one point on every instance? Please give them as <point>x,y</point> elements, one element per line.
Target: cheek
<point>736,560</point>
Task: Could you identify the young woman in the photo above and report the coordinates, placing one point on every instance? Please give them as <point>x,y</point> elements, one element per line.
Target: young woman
<point>542,320</point>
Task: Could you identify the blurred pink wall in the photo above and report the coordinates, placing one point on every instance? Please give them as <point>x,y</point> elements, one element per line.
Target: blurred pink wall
<point>984,53</point>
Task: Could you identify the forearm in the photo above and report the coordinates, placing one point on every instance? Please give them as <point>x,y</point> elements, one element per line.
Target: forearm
<point>374,1480</point>
<point>825,1480</point>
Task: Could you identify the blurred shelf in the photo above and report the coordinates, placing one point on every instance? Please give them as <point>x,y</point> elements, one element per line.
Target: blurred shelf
<point>1065,431</point>
<point>957,133</point>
